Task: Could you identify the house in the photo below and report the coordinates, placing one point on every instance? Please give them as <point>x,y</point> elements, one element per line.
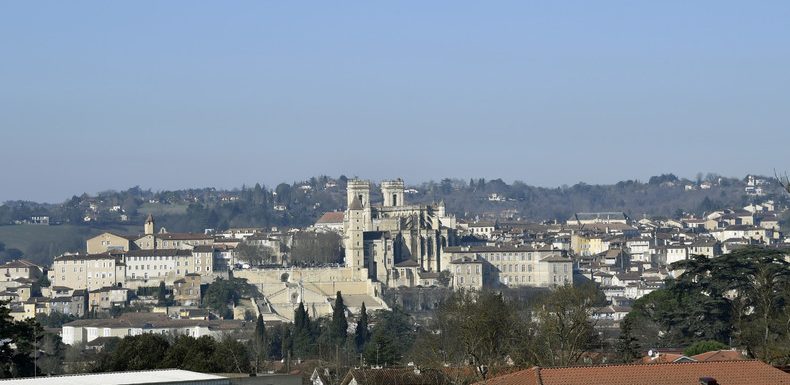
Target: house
<point>186,291</point>
<point>676,253</point>
<point>88,271</point>
<point>482,229</point>
<point>685,373</point>
<point>395,376</point>
<point>707,247</point>
<point>468,273</point>
<point>107,298</point>
<point>109,241</point>
<point>19,268</point>
<point>133,324</point>
<point>602,217</point>
<point>331,221</point>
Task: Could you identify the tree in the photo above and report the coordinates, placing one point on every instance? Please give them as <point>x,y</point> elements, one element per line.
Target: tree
<point>703,347</point>
<point>142,352</point>
<point>232,356</point>
<point>253,254</point>
<point>563,330</point>
<point>758,316</point>
<point>391,337</point>
<point>339,326</point>
<point>223,293</point>
<point>162,299</point>
<point>303,336</point>
<point>361,333</point>
<point>17,344</point>
<point>628,348</point>
<point>195,354</point>
<point>54,319</point>
<point>259,344</point>
<point>478,327</point>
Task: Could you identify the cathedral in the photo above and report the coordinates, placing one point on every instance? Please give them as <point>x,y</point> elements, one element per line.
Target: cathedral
<point>395,243</point>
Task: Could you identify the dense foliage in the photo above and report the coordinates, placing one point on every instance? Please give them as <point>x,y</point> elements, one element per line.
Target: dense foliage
<point>153,351</point>
<point>222,294</point>
<point>741,298</point>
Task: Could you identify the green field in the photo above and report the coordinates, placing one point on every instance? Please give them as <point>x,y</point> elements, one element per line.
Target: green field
<point>41,243</point>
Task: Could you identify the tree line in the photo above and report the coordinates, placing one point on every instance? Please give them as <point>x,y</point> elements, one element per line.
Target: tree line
<point>740,299</point>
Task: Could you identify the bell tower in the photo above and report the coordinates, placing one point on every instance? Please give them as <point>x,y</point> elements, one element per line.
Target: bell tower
<point>393,192</point>
<point>357,220</point>
<point>149,225</point>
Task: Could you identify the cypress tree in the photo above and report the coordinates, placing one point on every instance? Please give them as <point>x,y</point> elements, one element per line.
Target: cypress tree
<point>339,330</point>
<point>303,341</point>
<point>162,294</point>
<point>260,331</point>
<point>362,334</point>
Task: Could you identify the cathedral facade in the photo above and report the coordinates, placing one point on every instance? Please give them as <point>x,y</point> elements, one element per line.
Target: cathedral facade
<point>395,243</point>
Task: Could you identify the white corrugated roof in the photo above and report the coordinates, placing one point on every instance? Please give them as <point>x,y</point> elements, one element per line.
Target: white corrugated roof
<point>118,378</point>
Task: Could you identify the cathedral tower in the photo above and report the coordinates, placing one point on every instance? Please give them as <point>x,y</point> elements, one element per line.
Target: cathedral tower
<point>393,192</point>
<point>360,189</point>
<point>357,220</point>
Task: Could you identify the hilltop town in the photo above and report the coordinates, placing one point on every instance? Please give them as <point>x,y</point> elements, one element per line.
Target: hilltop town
<point>373,252</point>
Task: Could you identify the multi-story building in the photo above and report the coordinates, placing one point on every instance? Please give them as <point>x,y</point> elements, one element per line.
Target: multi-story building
<point>518,265</point>
<point>107,298</point>
<point>88,271</point>
<point>131,268</point>
<point>468,273</point>
<point>133,324</point>
<point>187,290</point>
<point>20,268</point>
<point>149,240</point>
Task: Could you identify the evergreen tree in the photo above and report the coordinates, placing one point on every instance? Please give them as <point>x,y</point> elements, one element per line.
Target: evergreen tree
<point>260,343</point>
<point>628,347</point>
<point>392,336</point>
<point>260,330</point>
<point>303,338</point>
<point>362,334</point>
<point>339,327</point>
<point>162,294</point>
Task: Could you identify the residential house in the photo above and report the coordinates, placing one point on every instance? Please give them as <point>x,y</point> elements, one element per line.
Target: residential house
<point>395,376</point>
<point>108,298</point>
<point>186,291</point>
<point>681,373</point>
<point>468,273</point>
<point>132,324</point>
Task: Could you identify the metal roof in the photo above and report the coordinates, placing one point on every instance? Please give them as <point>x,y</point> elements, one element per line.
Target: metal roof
<point>169,376</point>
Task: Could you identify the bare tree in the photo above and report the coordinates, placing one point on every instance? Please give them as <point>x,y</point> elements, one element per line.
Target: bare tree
<point>784,181</point>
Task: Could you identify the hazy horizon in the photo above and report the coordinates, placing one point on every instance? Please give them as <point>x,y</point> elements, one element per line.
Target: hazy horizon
<point>178,94</point>
<point>273,184</point>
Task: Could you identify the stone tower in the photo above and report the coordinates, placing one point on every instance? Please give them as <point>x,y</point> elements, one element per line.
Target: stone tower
<point>393,192</point>
<point>149,225</point>
<point>355,231</point>
<point>358,219</point>
<point>360,189</point>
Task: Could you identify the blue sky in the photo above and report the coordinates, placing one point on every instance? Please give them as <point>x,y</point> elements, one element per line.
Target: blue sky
<point>175,94</point>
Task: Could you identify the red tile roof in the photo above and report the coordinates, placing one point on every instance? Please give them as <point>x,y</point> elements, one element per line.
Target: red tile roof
<point>720,355</point>
<point>688,373</point>
<point>331,217</point>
